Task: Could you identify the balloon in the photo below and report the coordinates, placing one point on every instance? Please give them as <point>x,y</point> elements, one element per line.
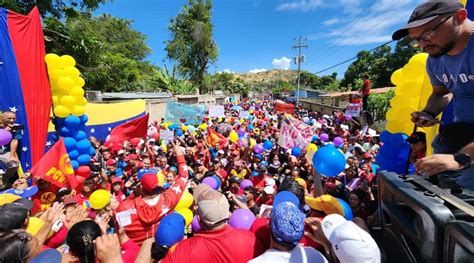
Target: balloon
<point>170,230</point>
<point>397,77</point>
<point>385,136</point>
<point>329,161</point>
<point>398,141</point>
<point>286,196</point>
<point>72,72</point>
<point>414,69</point>
<point>250,127</point>
<point>191,128</point>
<point>83,146</point>
<point>324,137</point>
<point>92,151</point>
<point>184,128</point>
<point>267,145</point>
<point>346,208</point>
<point>195,224</point>
<point>242,219</point>
<point>67,101</point>
<point>253,142</point>
<point>73,154</point>
<point>395,126</point>
<point>99,199</point>
<point>218,181</point>
<point>312,147</point>
<point>78,110</point>
<point>51,59</point>
<point>80,135</point>
<point>203,126</point>
<point>80,82</point>
<point>245,183</point>
<point>84,159</point>
<point>72,121</point>
<point>65,83</point>
<point>66,132</point>
<point>240,142</point>
<point>179,133</point>
<point>74,164</point>
<point>241,132</point>
<point>315,138</point>
<point>70,143</point>
<point>156,136</point>
<point>348,118</point>
<point>211,182</point>
<point>77,92</point>
<point>82,101</point>
<point>233,137</point>
<point>338,141</point>
<point>296,152</point>
<point>5,137</point>
<point>83,171</point>
<point>186,201</point>
<point>258,148</point>
<point>187,214</point>
<point>67,61</point>
<point>61,111</point>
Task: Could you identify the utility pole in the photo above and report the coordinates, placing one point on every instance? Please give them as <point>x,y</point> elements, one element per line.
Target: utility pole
<point>298,60</point>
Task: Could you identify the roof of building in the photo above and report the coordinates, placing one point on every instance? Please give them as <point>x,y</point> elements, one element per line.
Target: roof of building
<point>347,93</point>
<point>135,95</point>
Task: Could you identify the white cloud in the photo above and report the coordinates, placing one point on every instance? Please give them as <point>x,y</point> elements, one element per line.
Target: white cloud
<point>257,70</point>
<point>281,63</point>
<point>226,71</point>
<point>331,21</point>
<point>304,5</point>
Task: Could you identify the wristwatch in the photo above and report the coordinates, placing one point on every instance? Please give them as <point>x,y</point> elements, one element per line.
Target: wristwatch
<point>463,159</point>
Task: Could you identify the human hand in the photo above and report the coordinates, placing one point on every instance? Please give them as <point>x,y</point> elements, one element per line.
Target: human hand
<point>77,215</point>
<point>423,119</point>
<point>107,248</point>
<point>20,184</point>
<point>103,222</point>
<point>53,213</point>
<point>436,163</point>
<point>316,232</point>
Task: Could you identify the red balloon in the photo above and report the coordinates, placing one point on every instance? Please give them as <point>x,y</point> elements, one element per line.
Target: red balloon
<point>83,171</point>
<point>156,136</point>
<point>135,141</point>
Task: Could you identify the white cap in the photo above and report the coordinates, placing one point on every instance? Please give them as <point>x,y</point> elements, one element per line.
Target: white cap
<point>220,152</point>
<point>269,182</point>
<point>152,140</point>
<point>350,243</point>
<point>269,190</point>
<point>121,152</point>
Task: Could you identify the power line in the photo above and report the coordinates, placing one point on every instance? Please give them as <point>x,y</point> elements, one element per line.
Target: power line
<point>299,60</point>
<point>345,61</point>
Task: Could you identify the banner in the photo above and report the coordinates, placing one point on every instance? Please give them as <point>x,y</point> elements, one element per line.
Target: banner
<point>167,135</point>
<point>281,106</point>
<point>214,138</point>
<point>216,112</point>
<point>191,114</point>
<point>244,115</point>
<point>132,129</point>
<point>353,109</point>
<point>55,167</point>
<point>295,133</point>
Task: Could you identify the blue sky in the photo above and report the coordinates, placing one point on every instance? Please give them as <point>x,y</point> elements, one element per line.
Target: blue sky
<point>255,35</point>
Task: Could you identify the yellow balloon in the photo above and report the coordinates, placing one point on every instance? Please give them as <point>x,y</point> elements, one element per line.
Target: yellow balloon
<point>65,83</point>
<point>67,61</point>
<point>61,111</point>
<point>80,82</point>
<point>67,100</point>
<point>185,202</point>
<point>413,70</point>
<point>253,142</point>
<point>77,92</point>
<point>78,110</point>
<point>312,147</point>
<point>165,149</point>
<point>404,114</point>
<point>72,72</point>
<point>411,88</point>
<point>82,101</point>
<point>391,115</point>
<point>419,58</point>
<point>51,59</point>
<point>99,199</point>
<point>251,111</point>
<point>397,77</point>
<point>184,128</point>
<point>187,214</point>
<point>203,126</point>
<point>233,137</point>
<point>219,120</point>
<point>395,126</point>
<point>55,74</point>
<point>55,100</point>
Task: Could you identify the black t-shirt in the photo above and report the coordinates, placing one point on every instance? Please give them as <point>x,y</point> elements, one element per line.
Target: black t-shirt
<point>255,209</point>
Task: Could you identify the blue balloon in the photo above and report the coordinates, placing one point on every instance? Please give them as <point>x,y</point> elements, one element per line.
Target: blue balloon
<point>72,121</point>
<point>59,122</point>
<point>385,136</point>
<point>80,135</point>
<point>329,161</point>
<point>83,146</point>
<point>74,164</point>
<point>267,145</point>
<point>347,209</point>
<point>217,180</point>
<point>170,230</point>
<point>286,196</point>
<point>84,118</point>
<point>250,127</point>
<point>65,131</point>
<point>70,143</point>
<point>92,151</point>
<point>398,141</point>
<point>84,159</point>
<point>296,152</point>
<point>173,126</point>
<point>315,138</point>
<point>73,154</point>
<point>179,132</point>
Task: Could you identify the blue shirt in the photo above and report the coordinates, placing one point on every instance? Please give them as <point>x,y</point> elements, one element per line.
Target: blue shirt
<point>456,73</point>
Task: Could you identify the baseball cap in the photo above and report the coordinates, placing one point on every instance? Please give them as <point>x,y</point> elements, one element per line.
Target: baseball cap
<point>287,223</point>
<point>69,200</point>
<point>426,13</point>
<point>110,162</point>
<point>13,215</point>
<point>23,193</point>
<point>149,181</point>
<point>286,196</point>
<point>325,203</point>
<point>131,157</point>
<point>269,190</point>
<point>220,152</point>
<point>47,256</point>
<point>417,137</point>
<point>350,243</point>
<point>213,208</point>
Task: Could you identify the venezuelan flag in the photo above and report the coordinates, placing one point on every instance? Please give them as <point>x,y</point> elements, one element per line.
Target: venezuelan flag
<point>24,85</point>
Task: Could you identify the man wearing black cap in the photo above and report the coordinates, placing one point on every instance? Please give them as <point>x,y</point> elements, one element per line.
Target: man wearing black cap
<point>442,29</point>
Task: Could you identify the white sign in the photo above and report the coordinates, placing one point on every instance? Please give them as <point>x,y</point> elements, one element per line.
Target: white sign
<point>295,133</point>
<point>166,135</point>
<point>216,111</point>
<point>344,127</point>
<point>353,109</point>
<point>244,114</point>
<point>124,218</point>
<point>372,132</point>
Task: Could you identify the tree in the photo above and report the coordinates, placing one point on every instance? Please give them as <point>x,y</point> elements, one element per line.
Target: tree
<point>52,8</point>
<point>191,44</point>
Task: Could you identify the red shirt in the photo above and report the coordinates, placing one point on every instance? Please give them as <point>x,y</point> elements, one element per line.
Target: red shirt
<point>223,245</point>
<point>145,217</point>
<point>366,88</point>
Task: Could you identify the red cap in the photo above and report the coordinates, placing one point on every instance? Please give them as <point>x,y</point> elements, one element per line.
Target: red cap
<point>367,155</point>
<point>110,162</point>
<point>131,157</point>
<point>117,180</point>
<point>149,182</point>
<point>69,200</point>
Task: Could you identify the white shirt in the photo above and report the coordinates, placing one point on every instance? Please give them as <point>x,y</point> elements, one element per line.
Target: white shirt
<point>311,255</point>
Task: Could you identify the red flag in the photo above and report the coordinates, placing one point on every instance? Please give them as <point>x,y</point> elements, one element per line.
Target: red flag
<point>284,107</point>
<point>55,167</point>
<point>214,137</point>
<point>131,129</point>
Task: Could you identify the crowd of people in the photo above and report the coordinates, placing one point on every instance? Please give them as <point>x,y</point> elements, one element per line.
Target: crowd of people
<point>119,210</point>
